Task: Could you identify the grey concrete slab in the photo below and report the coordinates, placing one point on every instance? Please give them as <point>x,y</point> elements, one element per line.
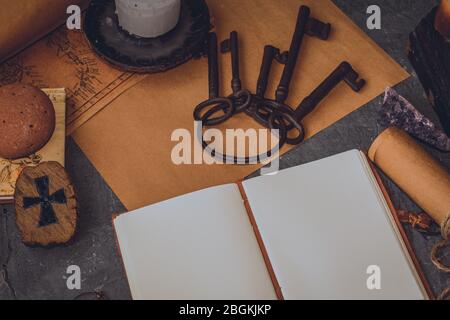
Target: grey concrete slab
<point>33,273</point>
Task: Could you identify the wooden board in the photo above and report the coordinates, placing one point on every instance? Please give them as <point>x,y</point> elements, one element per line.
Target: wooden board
<point>46,206</point>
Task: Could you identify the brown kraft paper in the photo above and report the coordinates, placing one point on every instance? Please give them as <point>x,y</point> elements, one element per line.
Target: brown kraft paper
<point>417,173</point>
<point>129,141</point>
<point>25,21</point>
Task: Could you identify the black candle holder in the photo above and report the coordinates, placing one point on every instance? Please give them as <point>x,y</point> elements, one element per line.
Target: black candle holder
<point>131,53</point>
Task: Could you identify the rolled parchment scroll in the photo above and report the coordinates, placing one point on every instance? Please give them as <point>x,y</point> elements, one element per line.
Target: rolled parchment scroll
<point>416,172</point>
<point>25,21</point>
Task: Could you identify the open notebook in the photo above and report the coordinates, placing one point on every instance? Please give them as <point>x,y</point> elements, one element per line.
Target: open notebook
<point>308,232</point>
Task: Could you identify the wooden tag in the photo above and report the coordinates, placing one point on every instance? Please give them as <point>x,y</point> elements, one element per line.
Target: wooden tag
<point>46,207</point>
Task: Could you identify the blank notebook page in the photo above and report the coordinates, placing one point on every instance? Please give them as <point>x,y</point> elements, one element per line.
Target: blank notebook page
<point>197,246</point>
<point>323,224</point>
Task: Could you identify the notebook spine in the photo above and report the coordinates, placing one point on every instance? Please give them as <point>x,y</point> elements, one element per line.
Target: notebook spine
<point>262,247</point>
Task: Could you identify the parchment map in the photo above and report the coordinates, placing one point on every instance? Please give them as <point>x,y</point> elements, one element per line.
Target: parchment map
<point>64,59</point>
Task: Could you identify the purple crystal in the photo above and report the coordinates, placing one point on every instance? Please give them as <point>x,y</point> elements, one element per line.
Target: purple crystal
<point>399,112</point>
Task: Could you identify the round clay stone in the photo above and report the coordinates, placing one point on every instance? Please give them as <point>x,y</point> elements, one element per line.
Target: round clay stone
<point>27,120</point>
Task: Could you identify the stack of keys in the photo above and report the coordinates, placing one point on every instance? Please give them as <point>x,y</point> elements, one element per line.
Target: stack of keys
<point>272,114</point>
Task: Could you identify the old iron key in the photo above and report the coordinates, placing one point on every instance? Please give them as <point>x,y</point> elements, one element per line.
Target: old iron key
<point>344,72</point>
<point>242,98</point>
<point>261,108</point>
<point>270,53</point>
<point>282,115</point>
<point>305,25</point>
<point>237,94</point>
<point>215,103</point>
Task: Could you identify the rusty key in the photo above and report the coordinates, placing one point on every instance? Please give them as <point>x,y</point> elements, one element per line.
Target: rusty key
<point>270,53</point>
<point>242,97</point>
<point>305,25</point>
<point>213,67</point>
<point>261,107</point>
<point>214,104</point>
<point>344,72</point>
<point>227,104</point>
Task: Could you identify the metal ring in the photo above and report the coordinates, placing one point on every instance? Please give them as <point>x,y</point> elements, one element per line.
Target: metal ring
<point>238,96</point>
<point>216,105</point>
<point>221,104</point>
<point>270,106</point>
<point>290,118</point>
<point>227,159</point>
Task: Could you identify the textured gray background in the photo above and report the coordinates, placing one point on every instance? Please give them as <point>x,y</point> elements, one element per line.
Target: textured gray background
<point>34,273</point>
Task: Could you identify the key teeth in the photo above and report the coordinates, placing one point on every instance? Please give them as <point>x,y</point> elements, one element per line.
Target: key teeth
<point>225,46</point>
<point>281,57</point>
<point>325,34</point>
<point>318,29</point>
<point>353,81</point>
<point>359,85</point>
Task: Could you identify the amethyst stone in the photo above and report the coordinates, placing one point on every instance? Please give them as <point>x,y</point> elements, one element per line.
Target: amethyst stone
<point>399,112</point>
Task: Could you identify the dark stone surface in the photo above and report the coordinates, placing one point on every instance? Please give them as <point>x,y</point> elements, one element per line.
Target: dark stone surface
<point>27,273</point>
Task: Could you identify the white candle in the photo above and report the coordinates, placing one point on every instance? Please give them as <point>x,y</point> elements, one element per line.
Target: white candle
<point>148,18</point>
